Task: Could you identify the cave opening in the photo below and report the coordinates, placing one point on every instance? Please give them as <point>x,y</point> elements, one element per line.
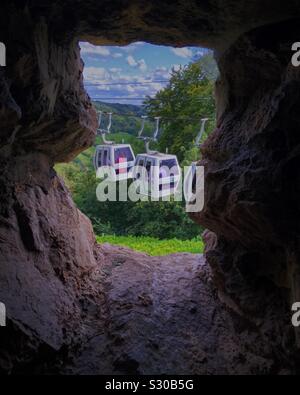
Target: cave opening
<point>130,86</point>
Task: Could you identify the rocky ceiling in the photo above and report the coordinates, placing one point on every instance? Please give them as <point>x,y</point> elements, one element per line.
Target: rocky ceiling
<point>58,285</point>
<point>211,23</point>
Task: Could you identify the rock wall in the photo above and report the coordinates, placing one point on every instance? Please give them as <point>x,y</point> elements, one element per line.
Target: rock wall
<point>252,175</point>
<point>48,255</point>
<point>52,274</point>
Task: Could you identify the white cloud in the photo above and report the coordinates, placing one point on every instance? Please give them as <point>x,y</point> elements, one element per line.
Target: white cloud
<point>115,70</point>
<point>99,79</point>
<point>142,65</point>
<point>161,69</point>
<point>130,89</point>
<point>131,61</point>
<point>102,88</point>
<point>182,52</point>
<point>96,74</point>
<point>92,49</point>
<point>161,73</point>
<point>117,55</point>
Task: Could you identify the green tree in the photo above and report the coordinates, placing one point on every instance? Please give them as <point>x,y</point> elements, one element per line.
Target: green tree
<point>187,98</point>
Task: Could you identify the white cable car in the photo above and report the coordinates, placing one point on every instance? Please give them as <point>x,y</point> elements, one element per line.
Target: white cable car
<point>158,173</point>
<point>189,185</point>
<point>119,156</point>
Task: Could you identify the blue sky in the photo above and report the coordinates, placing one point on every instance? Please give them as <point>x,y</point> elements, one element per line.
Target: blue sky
<point>118,72</point>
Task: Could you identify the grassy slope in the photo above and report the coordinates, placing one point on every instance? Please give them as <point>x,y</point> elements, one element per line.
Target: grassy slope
<point>155,247</point>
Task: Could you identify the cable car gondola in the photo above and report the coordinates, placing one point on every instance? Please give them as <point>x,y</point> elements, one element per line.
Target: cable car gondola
<point>119,156</point>
<point>159,173</point>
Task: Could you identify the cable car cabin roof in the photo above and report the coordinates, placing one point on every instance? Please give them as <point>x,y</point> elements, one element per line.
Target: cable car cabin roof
<point>158,155</point>
<point>114,146</point>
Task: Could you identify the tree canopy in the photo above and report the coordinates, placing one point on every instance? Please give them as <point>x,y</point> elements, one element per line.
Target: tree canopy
<point>187,98</point>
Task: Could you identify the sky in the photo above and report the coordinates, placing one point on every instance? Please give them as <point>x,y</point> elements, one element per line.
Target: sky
<point>122,74</point>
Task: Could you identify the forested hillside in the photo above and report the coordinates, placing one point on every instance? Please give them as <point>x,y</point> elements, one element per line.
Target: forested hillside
<point>126,117</point>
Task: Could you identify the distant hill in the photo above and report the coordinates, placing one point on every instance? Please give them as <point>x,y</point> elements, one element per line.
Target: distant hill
<point>126,118</point>
<point>120,108</point>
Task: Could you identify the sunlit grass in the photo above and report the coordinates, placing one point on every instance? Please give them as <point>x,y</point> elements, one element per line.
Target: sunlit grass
<point>155,247</point>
